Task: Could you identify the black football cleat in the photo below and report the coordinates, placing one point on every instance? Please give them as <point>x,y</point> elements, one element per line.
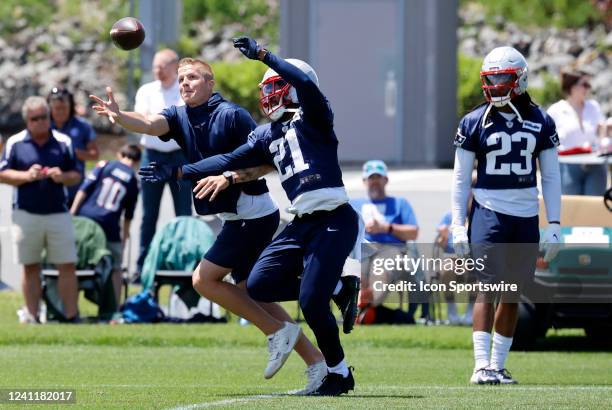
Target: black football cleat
<point>346,300</point>
<point>335,385</point>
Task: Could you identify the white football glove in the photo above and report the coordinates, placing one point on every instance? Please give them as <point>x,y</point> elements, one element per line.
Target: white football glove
<point>551,242</point>
<point>460,241</point>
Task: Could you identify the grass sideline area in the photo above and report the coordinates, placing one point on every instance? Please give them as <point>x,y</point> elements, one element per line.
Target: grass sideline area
<point>167,366</point>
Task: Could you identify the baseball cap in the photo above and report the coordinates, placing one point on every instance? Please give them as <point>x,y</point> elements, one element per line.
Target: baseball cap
<point>374,166</point>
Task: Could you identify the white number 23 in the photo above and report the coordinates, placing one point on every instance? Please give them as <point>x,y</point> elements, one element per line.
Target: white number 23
<point>506,146</point>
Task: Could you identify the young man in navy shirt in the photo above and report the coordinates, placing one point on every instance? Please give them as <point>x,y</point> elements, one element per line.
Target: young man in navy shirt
<point>207,125</point>
<point>506,134</point>
<point>110,190</point>
<point>304,261</point>
<point>40,164</point>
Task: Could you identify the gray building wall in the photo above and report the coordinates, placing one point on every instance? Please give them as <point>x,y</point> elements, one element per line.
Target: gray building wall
<point>389,70</point>
<point>162,20</point>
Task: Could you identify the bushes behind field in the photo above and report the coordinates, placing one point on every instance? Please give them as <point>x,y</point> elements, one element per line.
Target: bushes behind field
<point>259,16</point>
<point>237,82</point>
<point>541,13</point>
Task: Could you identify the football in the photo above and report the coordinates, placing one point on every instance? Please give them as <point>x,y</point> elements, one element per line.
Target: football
<point>127,33</point>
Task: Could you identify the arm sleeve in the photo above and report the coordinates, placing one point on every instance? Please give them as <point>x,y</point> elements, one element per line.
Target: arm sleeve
<point>89,183</point>
<point>446,220</point>
<point>312,101</point>
<point>408,215</point>
<point>465,138</point>
<point>69,163</point>
<point>551,183</point>
<point>7,159</point>
<point>550,137</point>
<point>171,116</point>
<point>245,156</point>
<point>462,179</point>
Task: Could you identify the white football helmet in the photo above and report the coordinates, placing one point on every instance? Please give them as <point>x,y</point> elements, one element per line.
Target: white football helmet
<point>275,93</point>
<point>503,75</point>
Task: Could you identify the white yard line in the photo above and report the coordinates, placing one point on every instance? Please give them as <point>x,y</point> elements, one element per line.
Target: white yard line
<point>226,402</point>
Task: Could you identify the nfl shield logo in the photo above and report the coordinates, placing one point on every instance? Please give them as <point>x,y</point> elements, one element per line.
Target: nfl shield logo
<point>459,139</point>
<point>555,139</point>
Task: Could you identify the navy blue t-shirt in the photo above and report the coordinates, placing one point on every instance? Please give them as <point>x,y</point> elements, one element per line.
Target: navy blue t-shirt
<point>506,150</point>
<point>81,133</point>
<point>216,127</point>
<point>44,196</point>
<point>303,150</point>
<point>111,188</point>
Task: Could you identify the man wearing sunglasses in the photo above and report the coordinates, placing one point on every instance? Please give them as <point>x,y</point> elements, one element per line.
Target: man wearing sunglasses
<point>506,134</point>
<point>39,162</point>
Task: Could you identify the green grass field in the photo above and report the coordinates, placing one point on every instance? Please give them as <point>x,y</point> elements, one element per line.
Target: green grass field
<point>221,366</point>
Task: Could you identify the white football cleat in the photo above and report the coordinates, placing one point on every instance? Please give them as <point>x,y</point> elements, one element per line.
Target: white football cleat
<point>504,377</point>
<point>280,345</point>
<point>484,376</point>
<point>315,374</point>
<point>25,317</point>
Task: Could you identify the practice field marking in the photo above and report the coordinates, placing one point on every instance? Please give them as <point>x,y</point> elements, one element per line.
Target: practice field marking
<point>225,402</point>
<point>248,399</point>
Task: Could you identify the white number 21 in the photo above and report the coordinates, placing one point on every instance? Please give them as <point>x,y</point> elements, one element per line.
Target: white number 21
<point>297,165</point>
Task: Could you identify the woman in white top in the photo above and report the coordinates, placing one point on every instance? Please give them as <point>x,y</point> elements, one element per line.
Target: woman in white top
<point>579,123</point>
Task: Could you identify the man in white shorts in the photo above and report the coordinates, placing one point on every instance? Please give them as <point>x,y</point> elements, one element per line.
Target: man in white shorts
<point>39,163</point>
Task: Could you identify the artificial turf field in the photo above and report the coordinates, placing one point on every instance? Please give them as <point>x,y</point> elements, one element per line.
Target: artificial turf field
<point>201,366</point>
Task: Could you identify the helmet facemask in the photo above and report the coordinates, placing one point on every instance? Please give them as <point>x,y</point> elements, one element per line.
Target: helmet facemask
<point>275,96</point>
<point>501,86</point>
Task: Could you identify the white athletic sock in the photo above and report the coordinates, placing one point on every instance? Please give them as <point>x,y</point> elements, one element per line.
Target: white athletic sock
<point>482,344</point>
<point>338,287</point>
<point>499,353</point>
<point>340,368</point>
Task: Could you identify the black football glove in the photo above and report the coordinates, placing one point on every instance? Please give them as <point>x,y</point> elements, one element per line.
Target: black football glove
<point>158,173</point>
<point>248,47</point>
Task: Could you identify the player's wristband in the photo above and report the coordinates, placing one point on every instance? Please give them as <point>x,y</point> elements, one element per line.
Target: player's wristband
<point>261,54</point>
<point>390,230</point>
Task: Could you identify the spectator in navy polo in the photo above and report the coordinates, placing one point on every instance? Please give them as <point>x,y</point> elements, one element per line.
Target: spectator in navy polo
<point>81,133</point>
<point>39,162</point>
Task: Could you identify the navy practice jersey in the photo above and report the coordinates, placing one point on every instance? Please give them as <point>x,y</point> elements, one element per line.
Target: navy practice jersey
<point>215,127</point>
<point>506,150</point>
<point>110,188</point>
<point>303,150</point>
